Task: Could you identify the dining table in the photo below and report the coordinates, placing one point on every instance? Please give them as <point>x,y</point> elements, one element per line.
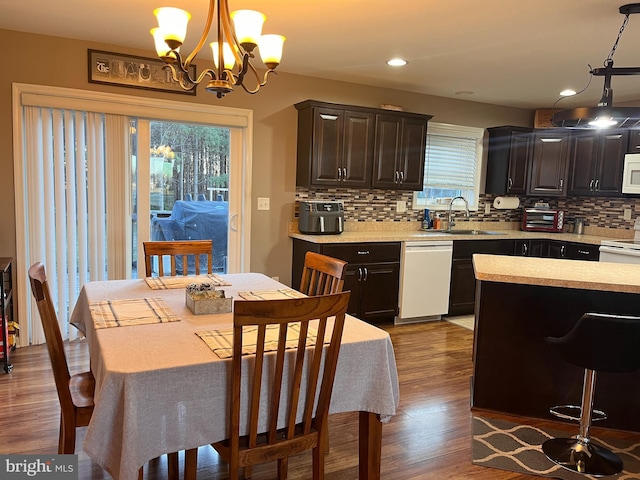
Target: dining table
<point>161,388</point>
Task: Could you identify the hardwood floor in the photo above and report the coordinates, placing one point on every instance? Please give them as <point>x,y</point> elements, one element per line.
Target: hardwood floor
<point>429,438</point>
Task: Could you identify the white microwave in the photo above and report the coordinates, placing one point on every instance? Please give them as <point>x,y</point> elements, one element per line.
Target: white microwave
<point>631,174</point>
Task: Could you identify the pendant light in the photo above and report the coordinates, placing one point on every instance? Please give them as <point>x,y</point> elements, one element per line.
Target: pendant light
<point>605,114</point>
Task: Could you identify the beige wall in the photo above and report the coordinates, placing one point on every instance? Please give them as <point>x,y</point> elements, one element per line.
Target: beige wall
<point>62,62</point>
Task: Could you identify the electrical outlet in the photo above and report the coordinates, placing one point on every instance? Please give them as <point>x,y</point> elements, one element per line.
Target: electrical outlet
<point>487,208</point>
<point>627,214</point>
<point>401,206</point>
<point>263,203</point>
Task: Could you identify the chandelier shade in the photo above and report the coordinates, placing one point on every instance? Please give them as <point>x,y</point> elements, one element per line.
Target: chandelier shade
<point>237,35</point>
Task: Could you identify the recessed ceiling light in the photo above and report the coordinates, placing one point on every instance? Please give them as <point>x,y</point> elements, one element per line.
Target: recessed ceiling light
<point>397,62</point>
<point>568,92</point>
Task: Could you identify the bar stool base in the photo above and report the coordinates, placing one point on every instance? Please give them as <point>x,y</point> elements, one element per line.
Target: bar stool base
<point>582,457</point>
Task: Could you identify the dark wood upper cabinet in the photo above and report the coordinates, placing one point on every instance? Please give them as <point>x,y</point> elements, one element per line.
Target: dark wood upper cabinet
<point>400,151</point>
<point>335,146</point>
<point>508,159</point>
<point>550,163</point>
<point>634,141</point>
<point>339,144</point>
<point>597,159</point>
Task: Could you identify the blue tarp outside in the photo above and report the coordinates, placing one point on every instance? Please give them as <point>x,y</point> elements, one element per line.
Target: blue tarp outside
<point>201,220</point>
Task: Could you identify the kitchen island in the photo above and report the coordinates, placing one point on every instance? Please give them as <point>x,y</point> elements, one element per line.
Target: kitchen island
<point>522,300</point>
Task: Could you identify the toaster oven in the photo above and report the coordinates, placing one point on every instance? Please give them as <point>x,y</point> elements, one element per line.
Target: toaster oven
<point>542,220</point>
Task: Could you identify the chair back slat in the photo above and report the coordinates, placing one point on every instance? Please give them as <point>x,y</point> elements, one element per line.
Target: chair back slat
<point>285,372</point>
<point>322,275</point>
<point>174,249</point>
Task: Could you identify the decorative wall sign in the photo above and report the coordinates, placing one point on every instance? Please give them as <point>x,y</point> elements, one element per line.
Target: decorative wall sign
<point>131,71</point>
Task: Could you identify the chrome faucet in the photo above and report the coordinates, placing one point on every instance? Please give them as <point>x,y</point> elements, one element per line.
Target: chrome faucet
<point>466,206</point>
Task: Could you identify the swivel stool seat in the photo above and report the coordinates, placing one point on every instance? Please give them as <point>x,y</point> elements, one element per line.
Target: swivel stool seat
<point>597,343</point>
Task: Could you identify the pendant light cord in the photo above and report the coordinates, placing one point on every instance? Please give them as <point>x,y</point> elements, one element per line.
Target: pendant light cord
<point>577,93</point>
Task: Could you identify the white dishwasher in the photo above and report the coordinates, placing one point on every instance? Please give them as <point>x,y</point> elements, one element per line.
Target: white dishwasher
<point>425,274</point>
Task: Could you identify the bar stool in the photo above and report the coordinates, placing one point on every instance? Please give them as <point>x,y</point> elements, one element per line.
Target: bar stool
<point>597,343</point>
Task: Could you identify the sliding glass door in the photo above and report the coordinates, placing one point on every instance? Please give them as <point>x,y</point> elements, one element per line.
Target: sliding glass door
<point>182,172</point>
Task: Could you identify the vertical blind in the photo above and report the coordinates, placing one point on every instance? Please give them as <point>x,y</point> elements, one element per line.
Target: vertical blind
<point>66,200</point>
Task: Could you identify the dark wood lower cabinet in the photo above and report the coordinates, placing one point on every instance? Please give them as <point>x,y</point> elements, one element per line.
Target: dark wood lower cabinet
<point>372,276</point>
<point>463,287</point>
<point>370,285</point>
<point>462,291</point>
<point>463,282</point>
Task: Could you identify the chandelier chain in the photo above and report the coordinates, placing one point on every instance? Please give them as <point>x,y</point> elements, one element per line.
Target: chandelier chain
<point>615,44</point>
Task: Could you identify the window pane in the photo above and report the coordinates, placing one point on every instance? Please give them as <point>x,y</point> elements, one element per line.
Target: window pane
<point>451,165</point>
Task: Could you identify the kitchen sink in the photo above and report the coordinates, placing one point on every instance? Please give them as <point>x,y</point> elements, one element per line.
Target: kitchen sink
<point>472,232</point>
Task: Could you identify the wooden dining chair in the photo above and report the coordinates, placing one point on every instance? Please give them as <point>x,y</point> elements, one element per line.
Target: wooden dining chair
<point>287,376</point>
<point>75,392</point>
<point>322,274</point>
<point>177,249</point>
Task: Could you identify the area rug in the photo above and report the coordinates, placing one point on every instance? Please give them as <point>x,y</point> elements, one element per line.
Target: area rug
<point>517,448</point>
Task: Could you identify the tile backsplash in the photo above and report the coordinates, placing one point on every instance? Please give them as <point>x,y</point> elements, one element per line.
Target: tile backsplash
<point>380,205</point>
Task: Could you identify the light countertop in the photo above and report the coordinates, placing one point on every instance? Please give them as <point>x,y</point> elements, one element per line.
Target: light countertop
<point>418,235</point>
<point>551,272</point>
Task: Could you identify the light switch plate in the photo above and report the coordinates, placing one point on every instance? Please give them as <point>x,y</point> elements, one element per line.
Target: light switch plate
<point>487,208</point>
<point>263,203</point>
<point>401,206</point>
<point>627,214</point>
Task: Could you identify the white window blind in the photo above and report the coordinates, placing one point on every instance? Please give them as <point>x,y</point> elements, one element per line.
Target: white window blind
<point>452,165</point>
<point>67,204</point>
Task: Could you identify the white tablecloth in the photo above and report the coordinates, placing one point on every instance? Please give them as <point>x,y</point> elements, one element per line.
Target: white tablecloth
<point>160,388</point>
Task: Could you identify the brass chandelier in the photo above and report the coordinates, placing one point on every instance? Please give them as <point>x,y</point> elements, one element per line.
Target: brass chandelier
<point>232,52</point>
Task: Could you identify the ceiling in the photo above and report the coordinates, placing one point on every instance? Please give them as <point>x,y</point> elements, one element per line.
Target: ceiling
<point>506,52</point>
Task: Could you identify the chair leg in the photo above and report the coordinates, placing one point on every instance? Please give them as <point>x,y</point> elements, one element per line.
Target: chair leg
<point>173,470</point>
<point>190,464</point>
<point>579,453</point>
<point>283,468</point>
<point>325,439</point>
<point>67,437</point>
<point>318,462</point>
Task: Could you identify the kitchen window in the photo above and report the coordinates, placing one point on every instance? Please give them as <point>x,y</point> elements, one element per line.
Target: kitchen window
<point>452,167</point>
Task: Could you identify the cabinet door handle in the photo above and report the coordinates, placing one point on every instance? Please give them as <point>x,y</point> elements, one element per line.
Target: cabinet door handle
<point>561,182</point>
<point>524,249</point>
<point>363,252</point>
<point>397,177</point>
<point>583,252</point>
<point>344,174</point>
<point>562,249</point>
<point>551,140</point>
<point>597,186</point>
<point>401,178</point>
<point>339,174</point>
<point>325,116</point>
<point>591,185</point>
<point>359,274</point>
<point>509,183</point>
<point>366,274</point>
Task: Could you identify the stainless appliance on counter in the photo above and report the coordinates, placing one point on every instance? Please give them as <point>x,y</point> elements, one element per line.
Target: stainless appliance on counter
<point>542,220</point>
<point>620,251</point>
<point>317,217</point>
<point>425,274</point>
